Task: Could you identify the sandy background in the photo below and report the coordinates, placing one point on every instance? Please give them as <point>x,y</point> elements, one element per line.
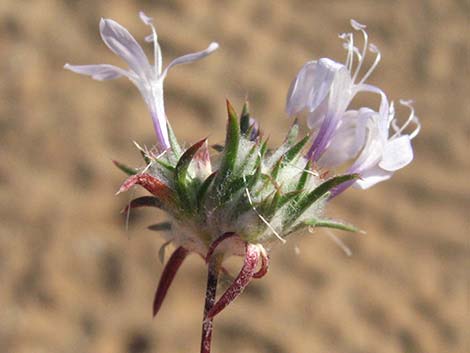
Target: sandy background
<point>72,279</point>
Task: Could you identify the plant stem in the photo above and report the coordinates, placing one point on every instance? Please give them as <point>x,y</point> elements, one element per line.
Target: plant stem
<point>207,324</point>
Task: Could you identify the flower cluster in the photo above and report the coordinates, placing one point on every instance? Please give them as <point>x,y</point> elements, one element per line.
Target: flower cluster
<point>240,198</point>
<point>325,89</point>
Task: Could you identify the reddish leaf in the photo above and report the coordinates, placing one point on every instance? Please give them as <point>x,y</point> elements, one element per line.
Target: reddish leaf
<point>152,184</point>
<point>144,201</point>
<point>167,277</point>
<point>252,255</point>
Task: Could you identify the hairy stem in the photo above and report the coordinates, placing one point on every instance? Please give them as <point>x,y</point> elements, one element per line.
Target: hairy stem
<point>207,324</point>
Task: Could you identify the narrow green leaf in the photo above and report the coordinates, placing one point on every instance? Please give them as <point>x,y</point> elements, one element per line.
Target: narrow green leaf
<point>304,176</point>
<point>165,165</point>
<point>125,168</point>
<point>145,157</point>
<point>249,156</point>
<point>232,141</point>
<point>231,188</point>
<point>201,194</point>
<point>329,223</point>
<point>181,174</point>
<point>217,147</point>
<point>175,146</point>
<point>279,200</point>
<point>264,148</point>
<point>305,202</point>
<point>295,150</point>
<point>159,227</point>
<point>245,119</point>
<point>277,167</point>
<point>293,133</point>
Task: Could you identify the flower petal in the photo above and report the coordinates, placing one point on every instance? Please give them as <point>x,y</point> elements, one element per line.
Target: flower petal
<point>397,154</point>
<point>347,141</point>
<point>100,72</point>
<point>311,85</point>
<point>122,43</point>
<point>189,58</point>
<point>371,177</point>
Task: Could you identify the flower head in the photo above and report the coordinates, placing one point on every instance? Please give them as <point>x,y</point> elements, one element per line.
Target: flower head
<point>147,77</point>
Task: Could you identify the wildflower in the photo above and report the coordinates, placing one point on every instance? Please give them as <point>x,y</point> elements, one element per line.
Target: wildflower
<point>325,89</point>
<point>247,197</point>
<point>147,77</point>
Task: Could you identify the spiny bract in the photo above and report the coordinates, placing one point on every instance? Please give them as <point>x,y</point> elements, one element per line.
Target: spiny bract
<point>260,195</point>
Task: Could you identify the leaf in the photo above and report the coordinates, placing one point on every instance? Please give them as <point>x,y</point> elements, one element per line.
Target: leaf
<point>232,141</point>
<point>144,201</point>
<point>245,120</point>
<point>293,133</point>
<point>152,184</point>
<point>175,146</point>
<point>145,157</point>
<point>252,256</point>
<point>125,168</point>
<point>330,223</point>
<point>310,198</point>
<point>201,193</point>
<point>217,147</point>
<point>295,150</point>
<point>276,168</point>
<point>181,174</point>
<point>231,188</point>
<point>168,274</point>
<point>304,176</point>
<point>165,165</point>
<point>160,227</point>
<point>279,200</point>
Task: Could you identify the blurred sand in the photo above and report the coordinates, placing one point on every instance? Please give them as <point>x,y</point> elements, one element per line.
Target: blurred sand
<point>72,279</point>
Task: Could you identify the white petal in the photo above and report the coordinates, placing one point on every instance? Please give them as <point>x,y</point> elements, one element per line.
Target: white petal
<point>328,73</point>
<point>189,58</point>
<point>348,140</point>
<point>397,154</point>
<point>311,85</point>
<point>341,90</point>
<point>300,89</point>
<point>315,118</point>
<point>98,72</point>
<point>371,177</point>
<point>122,43</point>
<point>372,151</point>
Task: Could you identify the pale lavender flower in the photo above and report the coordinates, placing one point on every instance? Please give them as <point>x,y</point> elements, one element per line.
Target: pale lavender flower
<point>147,77</point>
<point>384,147</point>
<point>325,89</point>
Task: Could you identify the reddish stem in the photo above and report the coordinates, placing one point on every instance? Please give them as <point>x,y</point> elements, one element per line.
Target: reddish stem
<point>207,323</point>
<point>167,277</point>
